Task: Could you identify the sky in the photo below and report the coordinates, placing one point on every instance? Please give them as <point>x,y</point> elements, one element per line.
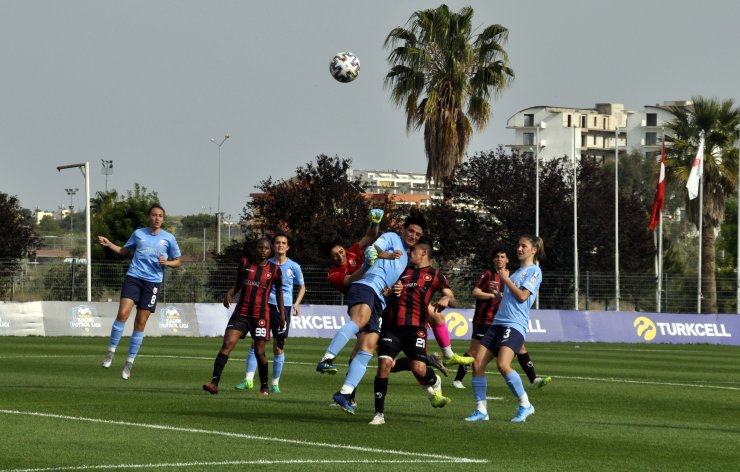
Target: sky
<point>148,83</point>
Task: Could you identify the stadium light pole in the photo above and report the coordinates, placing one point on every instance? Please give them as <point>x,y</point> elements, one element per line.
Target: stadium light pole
<point>218,207</point>
<point>616,217</point>
<point>106,171</point>
<point>85,169</point>
<point>71,192</point>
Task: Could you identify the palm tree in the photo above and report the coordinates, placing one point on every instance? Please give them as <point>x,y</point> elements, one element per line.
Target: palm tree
<point>444,77</point>
<point>720,122</point>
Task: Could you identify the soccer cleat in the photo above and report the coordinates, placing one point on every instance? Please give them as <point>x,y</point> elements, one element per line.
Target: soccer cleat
<point>211,388</point>
<point>439,401</point>
<point>457,359</point>
<point>477,416</point>
<point>275,388</point>
<point>458,384</point>
<point>378,419</point>
<point>540,382</point>
<point>435,360</point>
<point>522,412</point>
<point>245,385</point>
<point>344,403</point>
<point>126,372</point>
<point>326,367</point>
<point>263,391</point>
<point>108,360</point>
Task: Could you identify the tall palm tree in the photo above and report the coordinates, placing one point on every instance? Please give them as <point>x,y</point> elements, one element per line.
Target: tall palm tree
<point>720,122</point>
<point>444,76</point>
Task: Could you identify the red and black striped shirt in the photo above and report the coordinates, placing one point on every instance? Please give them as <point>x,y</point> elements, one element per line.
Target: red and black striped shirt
<point>410,308</point>
<point>485,310</point>
<point>256,281</point>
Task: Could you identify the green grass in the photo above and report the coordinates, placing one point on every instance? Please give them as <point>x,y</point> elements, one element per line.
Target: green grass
<point>610,407</point>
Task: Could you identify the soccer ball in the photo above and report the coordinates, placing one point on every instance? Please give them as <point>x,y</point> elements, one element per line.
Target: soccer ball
<point>345,67</point>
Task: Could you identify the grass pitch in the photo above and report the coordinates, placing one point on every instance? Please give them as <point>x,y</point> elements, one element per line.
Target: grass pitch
<point>610,407</point>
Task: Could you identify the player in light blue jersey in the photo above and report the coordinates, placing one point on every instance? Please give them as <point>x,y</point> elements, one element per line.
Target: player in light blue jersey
<point>292,276</point>
<point>153,249</point>
<point>506,335</point>
<point>385,261</point>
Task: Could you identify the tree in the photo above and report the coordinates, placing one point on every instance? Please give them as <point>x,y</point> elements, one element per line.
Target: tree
<point>444,77</point>
<point>194,224</point>
<point>320,203</point>
<point>18,239</point>
<point>720,121</point>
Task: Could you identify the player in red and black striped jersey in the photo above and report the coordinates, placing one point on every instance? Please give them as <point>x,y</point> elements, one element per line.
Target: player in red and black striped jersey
<point>405,324</point>
<point>255,278</point>
<point>487,294</point>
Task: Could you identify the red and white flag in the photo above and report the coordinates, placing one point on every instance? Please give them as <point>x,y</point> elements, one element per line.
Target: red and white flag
<point>658,202</point>
<point>697,170</point>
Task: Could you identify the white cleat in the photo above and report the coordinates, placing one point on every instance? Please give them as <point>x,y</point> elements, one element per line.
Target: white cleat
<point>378,419</point>
<point>126,372</point>
<point>458,384</point>
<point>108,360</point>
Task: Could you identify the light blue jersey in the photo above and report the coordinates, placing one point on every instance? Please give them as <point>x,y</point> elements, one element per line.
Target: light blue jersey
<point>147,248</point>
<point>292,275</point>
<point>385,272</point>
<point>513,313</point>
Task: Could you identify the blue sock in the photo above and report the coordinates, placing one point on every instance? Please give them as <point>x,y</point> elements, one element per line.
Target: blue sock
<point>515,383</point>
<point>342,337</point>
<point>277,365</point>
<point>251,361</point>
<point>115,334</point>
<point>357,368</point>
<point>480,387</point>
<point>137,337</point>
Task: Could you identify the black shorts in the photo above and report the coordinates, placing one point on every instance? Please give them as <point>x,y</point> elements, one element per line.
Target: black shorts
<point>479,331</point>
<point>143,293</point>
<point>411,341</point>
<point>257,327</point>
<point>500,335</point>
<point>275,322</point>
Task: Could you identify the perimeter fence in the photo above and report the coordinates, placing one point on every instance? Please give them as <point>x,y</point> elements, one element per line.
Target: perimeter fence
<point>206,282</point>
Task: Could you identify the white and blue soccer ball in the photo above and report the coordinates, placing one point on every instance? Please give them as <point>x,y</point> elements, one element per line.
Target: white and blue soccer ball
<point>345,67</point>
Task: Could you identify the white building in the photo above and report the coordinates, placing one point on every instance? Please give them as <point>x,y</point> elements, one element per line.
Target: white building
<point>561,131</point>
<point>394,182</point>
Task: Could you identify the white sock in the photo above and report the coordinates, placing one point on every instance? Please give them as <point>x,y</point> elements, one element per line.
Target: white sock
<point>250,375</point>
<point>482,406</point>
<point>275,381</point>
<point>346,389</point>
<point>524,400</point>
<point>447,351</point>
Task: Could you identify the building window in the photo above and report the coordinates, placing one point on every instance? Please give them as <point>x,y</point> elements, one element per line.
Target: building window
<point>605,127</point>
<point>583,122</point>
<point>651,119</point>
<point>385,183</point>
<point>651,139</point>
<point>528,139</point>
<point>595,118</point>
<point>570,121</point>
<point>528,119</point>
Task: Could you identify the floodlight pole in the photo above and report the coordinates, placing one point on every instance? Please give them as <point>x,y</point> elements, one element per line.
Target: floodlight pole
<point>218,208</point>
<point>85,169</point>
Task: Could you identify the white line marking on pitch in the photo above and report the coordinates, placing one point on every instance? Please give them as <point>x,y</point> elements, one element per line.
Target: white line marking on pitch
<point>246,436</point>
<point>249,462</point>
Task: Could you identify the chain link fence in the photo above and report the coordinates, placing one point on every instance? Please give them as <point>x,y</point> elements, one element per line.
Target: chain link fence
<point>206,282</point>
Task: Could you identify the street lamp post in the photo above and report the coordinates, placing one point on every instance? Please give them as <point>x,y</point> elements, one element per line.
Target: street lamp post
<point>218,207</point>
<point>106,171</point>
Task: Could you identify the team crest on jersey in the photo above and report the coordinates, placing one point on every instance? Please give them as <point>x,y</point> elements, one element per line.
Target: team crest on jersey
<point>268,275</point>
<point>261,322</point>
<point>534,278</point>
<point>352,262</point>
<point>289,272</point>
<point>421,334</point>
<point>162,242</point>
<point>427,277</point>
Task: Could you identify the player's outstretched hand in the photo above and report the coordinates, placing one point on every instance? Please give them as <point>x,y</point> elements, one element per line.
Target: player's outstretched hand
<point>371,254</point>
<point>375,216</point>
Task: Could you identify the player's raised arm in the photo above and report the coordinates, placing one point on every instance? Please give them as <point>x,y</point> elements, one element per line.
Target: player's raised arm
<point>375,216</point>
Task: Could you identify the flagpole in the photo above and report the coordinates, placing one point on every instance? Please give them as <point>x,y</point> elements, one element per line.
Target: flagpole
<point>660,240</point>
<point>701,224</point>
<point>737,305</point>
<point>575,221</point>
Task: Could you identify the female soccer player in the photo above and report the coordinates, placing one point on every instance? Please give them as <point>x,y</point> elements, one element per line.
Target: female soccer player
<point>506,335</point>
<point>254,280</point>
<point>154,249</point>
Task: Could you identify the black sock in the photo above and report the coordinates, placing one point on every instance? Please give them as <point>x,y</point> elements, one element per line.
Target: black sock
<point>462,370</point>
<point>527,366</point>
<point>262,369</point>
<point>218,367</point>
<point>429,378</point>
<point>401,365</point>
<point>381,389</point>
